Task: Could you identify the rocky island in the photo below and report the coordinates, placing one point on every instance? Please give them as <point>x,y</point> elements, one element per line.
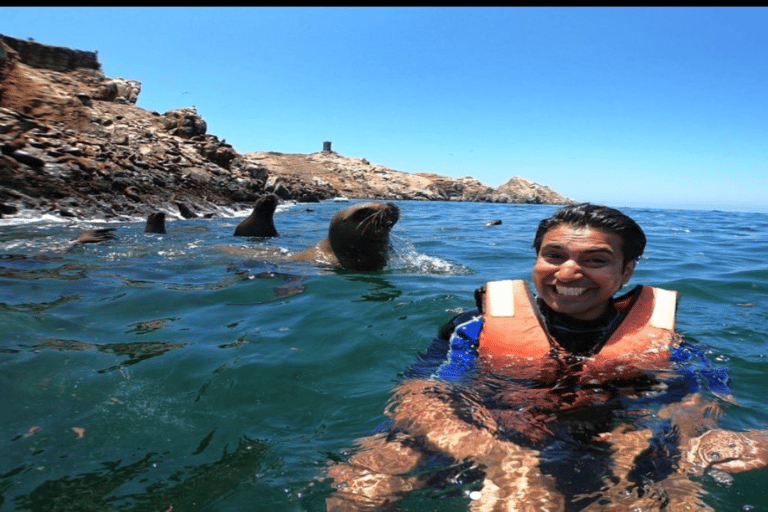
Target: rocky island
<point>74,143</point>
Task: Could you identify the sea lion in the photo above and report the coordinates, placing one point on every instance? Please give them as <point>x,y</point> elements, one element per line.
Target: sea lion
<point>92,237</point>
<point>86,237</point>
<point>155,223</point>
<point>185,211</point>
<point>358,238</point>
<point>259,222</point>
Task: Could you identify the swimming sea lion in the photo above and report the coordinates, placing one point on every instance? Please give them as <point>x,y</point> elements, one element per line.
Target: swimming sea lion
<point>86,237</point>
<point>155,223</point>
<point>259,222</point>
<point>92,237</point>
<point>185,211</point>
<point>358,238</point>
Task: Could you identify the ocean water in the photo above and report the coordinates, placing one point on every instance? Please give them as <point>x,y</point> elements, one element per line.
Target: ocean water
<point>175,372</point>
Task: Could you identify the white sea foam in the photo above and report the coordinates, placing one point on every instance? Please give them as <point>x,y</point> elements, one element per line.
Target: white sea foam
<point>406,257</point>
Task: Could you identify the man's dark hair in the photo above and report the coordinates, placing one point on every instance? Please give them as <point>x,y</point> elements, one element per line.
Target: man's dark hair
<point>597,217</point>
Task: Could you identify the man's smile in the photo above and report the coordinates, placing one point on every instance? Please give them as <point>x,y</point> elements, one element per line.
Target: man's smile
<point>570,291</point>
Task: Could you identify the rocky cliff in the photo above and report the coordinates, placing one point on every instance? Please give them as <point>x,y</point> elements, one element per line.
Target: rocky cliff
<point>73,142</point>
<point>329,174</point>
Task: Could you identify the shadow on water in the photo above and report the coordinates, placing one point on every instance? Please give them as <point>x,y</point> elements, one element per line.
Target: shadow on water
<point>381,290</point>
<point>189,488</point>
<point>66,271</point>
<point>40,307</point>
<point>136,352</point>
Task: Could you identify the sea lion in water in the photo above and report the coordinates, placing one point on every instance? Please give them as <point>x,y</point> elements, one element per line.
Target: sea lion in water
<point>155,223</point>
<point>92,237</point>
<point>86,237</point>
<point>358,238</point>
<point>259,222</point>
<point>185,211</point>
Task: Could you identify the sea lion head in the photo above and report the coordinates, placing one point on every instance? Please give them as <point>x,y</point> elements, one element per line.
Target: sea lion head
<point>155,223</point>
<point>359,235</point>
<point>266,203</point>
<point>259,222</point>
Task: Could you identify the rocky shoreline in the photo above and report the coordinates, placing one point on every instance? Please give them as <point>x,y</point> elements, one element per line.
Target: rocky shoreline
<point>74,143</point>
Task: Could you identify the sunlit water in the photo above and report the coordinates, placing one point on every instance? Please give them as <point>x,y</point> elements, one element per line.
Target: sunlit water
<point>165,370</point>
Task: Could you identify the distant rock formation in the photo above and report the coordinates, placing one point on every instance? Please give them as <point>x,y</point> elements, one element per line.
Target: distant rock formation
<point>522,190</point>
<point>327,174</point>
<point>73,142</point>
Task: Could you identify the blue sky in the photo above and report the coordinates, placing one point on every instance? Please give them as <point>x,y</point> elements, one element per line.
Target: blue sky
<point>641,107</point>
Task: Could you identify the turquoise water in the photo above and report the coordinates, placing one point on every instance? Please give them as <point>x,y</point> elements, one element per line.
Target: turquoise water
<point>204,380</point>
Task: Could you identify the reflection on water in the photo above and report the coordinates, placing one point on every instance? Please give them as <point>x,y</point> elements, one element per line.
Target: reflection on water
<point>67,271</point>
<point>568,445</point>
<point>188,488</point>
<point>40,307</point>
<point>137,352</point>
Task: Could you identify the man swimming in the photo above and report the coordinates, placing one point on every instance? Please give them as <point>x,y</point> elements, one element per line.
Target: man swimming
<point>567,400</point>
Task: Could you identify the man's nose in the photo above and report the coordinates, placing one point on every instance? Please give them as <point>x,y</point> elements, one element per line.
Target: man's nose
<point>568,271</point>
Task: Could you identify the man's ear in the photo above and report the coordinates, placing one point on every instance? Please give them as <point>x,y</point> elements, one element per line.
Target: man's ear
<point>629,269</point>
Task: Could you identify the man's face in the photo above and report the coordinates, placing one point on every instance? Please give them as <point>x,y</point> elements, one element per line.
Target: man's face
<point>578,270</point>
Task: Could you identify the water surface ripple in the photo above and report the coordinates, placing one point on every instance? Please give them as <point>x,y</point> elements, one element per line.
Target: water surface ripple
<point>161,370</point>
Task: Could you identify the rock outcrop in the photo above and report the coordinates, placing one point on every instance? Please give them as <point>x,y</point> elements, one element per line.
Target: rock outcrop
<point>73,142</point>
<point>329,174</point>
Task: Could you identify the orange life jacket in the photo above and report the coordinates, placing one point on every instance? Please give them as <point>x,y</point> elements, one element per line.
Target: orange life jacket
<point>514,333</point>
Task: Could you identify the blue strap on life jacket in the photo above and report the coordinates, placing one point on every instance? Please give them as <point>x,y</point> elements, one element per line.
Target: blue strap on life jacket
<point>695,367</point>
<point>450,357</point>
<point>462,353</point>
<point>448,360</point>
